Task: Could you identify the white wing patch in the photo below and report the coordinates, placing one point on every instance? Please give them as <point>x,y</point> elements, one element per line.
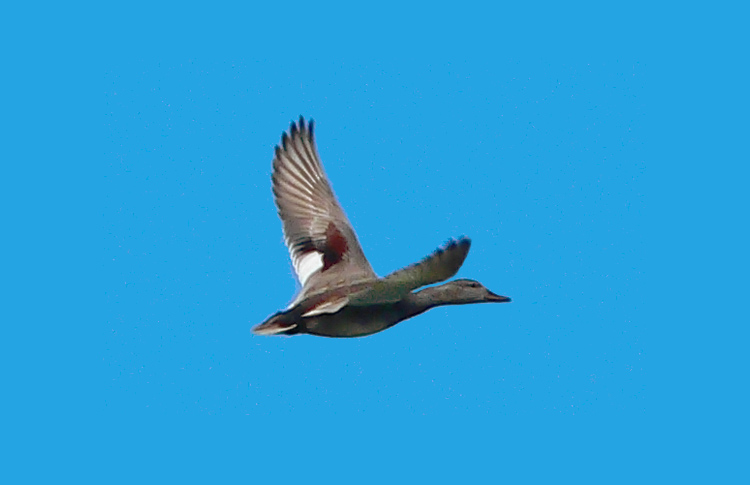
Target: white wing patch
<point>307,264</point>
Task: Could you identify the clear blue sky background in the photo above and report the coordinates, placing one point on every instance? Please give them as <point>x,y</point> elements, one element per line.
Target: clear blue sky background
<point>596,156</point>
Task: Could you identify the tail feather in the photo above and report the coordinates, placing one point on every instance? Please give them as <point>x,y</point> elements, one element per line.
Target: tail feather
<point>274,326</point>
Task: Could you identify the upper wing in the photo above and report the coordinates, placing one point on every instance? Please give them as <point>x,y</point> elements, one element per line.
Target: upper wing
<point>322,244</point>
<point>437,267</point>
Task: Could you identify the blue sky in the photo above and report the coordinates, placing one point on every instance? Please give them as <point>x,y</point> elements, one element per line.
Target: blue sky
<point>590,153</point>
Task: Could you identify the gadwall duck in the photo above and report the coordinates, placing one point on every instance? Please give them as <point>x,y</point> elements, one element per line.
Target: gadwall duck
<point>341,295</point>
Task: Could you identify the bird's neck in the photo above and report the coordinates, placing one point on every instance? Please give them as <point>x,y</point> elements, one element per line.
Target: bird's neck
<point>428,298</point>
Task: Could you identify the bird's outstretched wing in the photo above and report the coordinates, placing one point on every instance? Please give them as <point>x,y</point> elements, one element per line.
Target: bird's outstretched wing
<point>322,244</point>
<point>437,267</point>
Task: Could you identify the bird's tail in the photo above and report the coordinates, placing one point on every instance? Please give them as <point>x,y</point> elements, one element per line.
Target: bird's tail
<point>276,325</point>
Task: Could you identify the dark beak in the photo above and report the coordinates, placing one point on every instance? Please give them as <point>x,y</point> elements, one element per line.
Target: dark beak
<point>493,298</point>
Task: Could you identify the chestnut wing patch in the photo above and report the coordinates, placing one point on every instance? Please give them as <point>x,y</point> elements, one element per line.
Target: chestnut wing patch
<point>335,247</point>
<point>321,255</point>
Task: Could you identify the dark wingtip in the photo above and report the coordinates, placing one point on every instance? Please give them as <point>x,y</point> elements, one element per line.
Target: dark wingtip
<point>461,241</point>
<point>298,126</point>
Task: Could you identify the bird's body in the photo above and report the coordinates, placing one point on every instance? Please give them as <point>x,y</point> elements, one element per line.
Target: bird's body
<point>341,295</point>
<point>350,321</point>
<point>359,321</point>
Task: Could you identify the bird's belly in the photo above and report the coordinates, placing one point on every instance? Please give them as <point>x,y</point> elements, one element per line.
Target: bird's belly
<point>353,321</point>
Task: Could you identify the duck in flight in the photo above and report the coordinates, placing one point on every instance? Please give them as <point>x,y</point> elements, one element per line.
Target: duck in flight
<point>341,295</point>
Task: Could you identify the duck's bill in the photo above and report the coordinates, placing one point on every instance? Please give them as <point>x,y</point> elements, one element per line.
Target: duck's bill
<point>493,298</point>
